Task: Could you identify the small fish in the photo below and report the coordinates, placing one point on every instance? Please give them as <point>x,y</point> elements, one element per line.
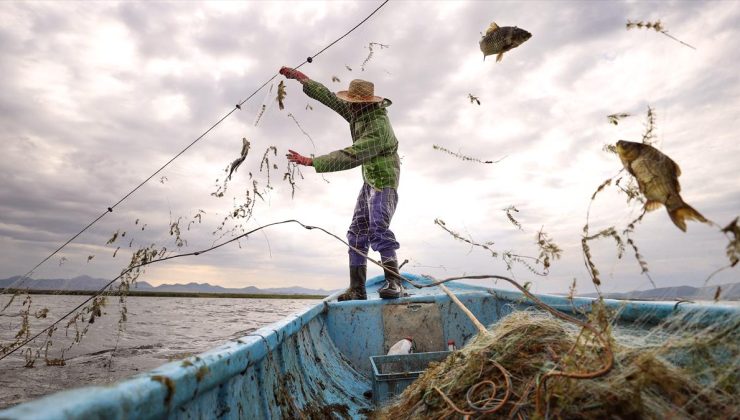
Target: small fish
<point>657,177</point>
<point>238,161</point>
<point>281,95</point>
<point>499,40</point>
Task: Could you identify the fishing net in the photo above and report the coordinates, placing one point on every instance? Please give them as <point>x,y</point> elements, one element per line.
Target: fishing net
<point>678,369</point>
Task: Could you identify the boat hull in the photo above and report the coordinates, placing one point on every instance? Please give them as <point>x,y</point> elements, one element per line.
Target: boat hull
<point>316,364</point>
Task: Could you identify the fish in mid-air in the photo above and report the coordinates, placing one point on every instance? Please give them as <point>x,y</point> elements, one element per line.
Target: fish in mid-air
<point>657,177</point>
<point>238,161</point>
<point>498,40</point>
<point>281,94</point>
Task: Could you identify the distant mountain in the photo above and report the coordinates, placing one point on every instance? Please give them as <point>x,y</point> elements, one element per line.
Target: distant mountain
<point>90,283</point>
<point>728,292</point>
<point>77,283</point>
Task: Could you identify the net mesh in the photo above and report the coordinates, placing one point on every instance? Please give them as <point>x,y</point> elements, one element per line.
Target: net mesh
<point>678,369</point>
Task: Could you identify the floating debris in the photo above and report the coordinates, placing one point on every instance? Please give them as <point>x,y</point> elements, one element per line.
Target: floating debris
<point>549,250</point>
<point>657,26</point>
<point>463,157</point>
<point>649,134</point>
<point>259,115</point>
<point>511,218</point>
<point>370,54</point>
<point>733,248</point>
<point>113,238</point>
<point>614,118</point>
<point>302,130</point>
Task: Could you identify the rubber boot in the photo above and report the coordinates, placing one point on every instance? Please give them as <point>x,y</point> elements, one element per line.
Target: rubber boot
<point>392,289</point>
<point>356,290</point>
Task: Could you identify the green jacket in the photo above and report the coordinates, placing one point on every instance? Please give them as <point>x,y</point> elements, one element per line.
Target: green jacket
<point>374,146</point>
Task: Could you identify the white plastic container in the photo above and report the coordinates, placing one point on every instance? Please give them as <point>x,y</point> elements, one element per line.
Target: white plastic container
<point>403,346</point>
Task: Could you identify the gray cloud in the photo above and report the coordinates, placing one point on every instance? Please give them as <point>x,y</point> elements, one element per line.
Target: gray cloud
<point>82,127</point>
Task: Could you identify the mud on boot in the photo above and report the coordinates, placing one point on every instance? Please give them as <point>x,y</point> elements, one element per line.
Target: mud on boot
<point>356,290</point>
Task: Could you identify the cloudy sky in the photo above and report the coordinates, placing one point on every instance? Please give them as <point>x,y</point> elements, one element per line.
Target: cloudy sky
<point>94,97</point>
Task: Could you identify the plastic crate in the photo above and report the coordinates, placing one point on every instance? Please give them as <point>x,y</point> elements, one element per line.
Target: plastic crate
<point>392,374</point>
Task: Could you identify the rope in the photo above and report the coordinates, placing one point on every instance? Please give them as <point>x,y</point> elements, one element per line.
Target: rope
<point>236,107</point>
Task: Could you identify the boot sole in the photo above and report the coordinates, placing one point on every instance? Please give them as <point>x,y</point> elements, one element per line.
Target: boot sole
<point>348,299</point>
<point>391,295</point>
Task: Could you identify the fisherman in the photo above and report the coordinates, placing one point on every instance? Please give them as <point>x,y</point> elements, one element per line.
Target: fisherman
<point>374,146</point>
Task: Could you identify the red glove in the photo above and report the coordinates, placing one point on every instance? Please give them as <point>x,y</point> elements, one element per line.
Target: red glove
<point>293,74</point>
<point>298,159</point>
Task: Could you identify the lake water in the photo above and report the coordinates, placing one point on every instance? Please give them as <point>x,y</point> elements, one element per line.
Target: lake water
<point>159,330</point>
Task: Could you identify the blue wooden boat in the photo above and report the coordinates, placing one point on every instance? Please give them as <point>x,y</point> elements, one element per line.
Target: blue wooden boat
<point>316,364</point>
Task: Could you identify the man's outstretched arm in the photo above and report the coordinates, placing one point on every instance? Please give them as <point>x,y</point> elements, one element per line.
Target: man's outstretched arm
<point>338,160</point>
<point>362,151</point>
<point>318,91</point>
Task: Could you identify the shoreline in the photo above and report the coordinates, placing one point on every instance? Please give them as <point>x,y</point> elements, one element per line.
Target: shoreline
<point>142,293</point>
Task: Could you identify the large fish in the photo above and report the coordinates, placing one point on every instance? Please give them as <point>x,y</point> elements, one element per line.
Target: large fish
<point>499,40</point>
<point>657,176</point>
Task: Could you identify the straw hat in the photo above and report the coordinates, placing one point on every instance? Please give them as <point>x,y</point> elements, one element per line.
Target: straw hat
<point>360,91</point>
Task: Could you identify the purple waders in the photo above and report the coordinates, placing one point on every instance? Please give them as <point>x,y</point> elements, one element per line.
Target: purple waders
<point>370,225</point>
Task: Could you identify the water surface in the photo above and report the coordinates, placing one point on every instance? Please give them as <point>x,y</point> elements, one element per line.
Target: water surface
<point>158,330</point>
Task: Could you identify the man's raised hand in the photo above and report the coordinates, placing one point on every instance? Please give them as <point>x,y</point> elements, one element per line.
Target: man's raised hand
<point>299,159</point>
<point>293,74</point>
